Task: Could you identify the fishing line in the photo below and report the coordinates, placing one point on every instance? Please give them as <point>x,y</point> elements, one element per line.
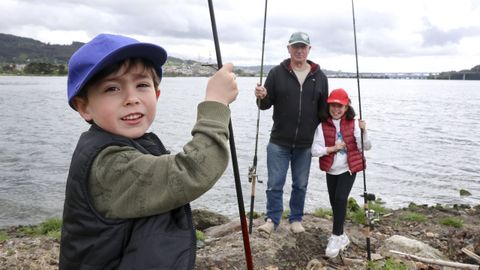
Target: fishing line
<point>238,187</point>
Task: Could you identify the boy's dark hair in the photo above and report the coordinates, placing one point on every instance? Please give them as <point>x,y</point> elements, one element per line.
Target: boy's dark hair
<point>148,68</point>
<point>129,64</point>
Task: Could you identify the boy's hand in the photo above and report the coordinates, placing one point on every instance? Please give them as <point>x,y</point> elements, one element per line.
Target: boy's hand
<point>222,87</point>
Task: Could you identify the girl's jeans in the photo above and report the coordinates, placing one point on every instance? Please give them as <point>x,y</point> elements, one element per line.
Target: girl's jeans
<point>278,160</point>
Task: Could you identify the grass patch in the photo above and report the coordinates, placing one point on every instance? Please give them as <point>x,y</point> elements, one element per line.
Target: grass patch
<point>389,264</point>
<point>452,222</point>
<point>286,213</point>
<point>199,235</point>
<point>51,227</point>
<point>322,213</point>
<point>254,215</point>
<point>357,217</point>
<point>412,216</point>
<point>357,214</point>
<point>3,236</point>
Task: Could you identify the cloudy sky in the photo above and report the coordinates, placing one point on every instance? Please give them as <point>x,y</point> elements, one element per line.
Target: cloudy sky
<point>392,35</point>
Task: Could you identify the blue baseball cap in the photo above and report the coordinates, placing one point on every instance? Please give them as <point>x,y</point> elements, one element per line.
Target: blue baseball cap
<point>104,50</point>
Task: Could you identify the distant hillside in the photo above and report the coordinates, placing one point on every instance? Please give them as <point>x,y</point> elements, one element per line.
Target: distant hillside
<point>20,50</point>
<point>19,55</point>
<point>26,56</point>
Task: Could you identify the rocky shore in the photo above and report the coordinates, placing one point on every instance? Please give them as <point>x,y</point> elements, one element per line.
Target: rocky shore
<point>435,237</point>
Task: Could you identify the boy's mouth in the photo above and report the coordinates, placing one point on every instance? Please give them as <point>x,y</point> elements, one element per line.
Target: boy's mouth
<point>132,116</point>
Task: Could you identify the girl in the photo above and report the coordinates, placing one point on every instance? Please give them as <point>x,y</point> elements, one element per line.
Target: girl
<point>337,142</point>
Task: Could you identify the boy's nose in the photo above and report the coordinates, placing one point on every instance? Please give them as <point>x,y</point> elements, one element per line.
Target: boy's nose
<point>131,98</point>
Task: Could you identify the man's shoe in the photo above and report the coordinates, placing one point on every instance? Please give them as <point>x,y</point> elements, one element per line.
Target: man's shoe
<point>296,227</point>
<point>336,243</point>
<point>267,227</point>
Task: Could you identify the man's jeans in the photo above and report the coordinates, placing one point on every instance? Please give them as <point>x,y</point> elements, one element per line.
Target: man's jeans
<point>278,160</point>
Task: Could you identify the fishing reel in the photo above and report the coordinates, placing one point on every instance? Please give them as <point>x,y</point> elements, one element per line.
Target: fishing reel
<point>371,216</point>
<point>252,174</point>
<point>369,196</point>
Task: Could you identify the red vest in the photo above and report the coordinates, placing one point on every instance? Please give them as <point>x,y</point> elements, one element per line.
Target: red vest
<point>354,155</point>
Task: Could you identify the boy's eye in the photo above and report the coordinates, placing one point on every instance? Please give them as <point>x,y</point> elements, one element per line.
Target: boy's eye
<point>112,89</point>
<point>143,85</point>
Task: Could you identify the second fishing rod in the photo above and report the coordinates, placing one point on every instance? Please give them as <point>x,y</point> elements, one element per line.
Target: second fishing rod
<point>252,170</point>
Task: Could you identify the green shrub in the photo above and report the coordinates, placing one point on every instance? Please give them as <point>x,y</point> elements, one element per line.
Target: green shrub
<point>286,213</point>
<point>358,216</point>
<point>464,192</point>
<point>322,213</point>
<point>51,227</point>
<point>452,222</point>
<point>254,215</point>
<point>3,236</point>
<point>412,206</point>
<point>200,235</point>
<point>352,205</point>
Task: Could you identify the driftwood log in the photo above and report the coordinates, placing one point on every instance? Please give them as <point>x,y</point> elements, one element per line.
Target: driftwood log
<point>436,261</point>
<point>471,254</point>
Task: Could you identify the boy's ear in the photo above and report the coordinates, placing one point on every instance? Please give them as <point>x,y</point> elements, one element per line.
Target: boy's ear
<point>157,93</point>
<point>81,105</point>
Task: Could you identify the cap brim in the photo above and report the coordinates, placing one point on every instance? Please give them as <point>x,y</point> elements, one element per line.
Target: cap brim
<point>343,102</point>
<point>297,42</point>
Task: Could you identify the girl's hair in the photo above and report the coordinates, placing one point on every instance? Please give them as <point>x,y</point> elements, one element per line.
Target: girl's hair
<point>349,114</point>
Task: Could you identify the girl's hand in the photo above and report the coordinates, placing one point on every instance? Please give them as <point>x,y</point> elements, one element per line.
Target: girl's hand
<point>362,125</point>
<point>339,146</point>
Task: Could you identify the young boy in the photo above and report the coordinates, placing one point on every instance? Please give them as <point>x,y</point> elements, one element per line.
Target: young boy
<point>127,199</point>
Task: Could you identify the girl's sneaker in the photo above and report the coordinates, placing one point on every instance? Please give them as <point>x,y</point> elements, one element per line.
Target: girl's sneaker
<point>335,244</point>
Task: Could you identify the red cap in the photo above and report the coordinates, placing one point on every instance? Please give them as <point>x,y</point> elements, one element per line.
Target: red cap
<point>338,96</point>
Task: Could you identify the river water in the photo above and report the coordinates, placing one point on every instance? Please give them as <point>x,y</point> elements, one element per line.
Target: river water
<point>425,136</point>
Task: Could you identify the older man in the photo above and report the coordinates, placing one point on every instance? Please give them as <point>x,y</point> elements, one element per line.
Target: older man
<point>297,89</point>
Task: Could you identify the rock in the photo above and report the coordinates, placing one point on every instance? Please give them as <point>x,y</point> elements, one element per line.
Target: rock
<point>410,246</point>
<point>224,229</point>
<point>315,265</point>
<point>203,219</point>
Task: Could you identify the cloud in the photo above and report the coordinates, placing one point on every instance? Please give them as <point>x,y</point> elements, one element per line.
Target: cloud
<point>434,36</point>
<point>400,32</point>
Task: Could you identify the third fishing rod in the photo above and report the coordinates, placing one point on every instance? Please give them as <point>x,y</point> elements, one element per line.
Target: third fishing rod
<point>369,214</point>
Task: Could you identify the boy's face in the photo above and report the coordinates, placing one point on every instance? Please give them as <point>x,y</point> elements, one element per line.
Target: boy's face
<point>123,103</point>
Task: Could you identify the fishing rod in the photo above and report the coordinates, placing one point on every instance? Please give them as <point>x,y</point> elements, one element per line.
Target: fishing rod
<point>252,170</point>
<point>233,152</point>
<point>369,214</point>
